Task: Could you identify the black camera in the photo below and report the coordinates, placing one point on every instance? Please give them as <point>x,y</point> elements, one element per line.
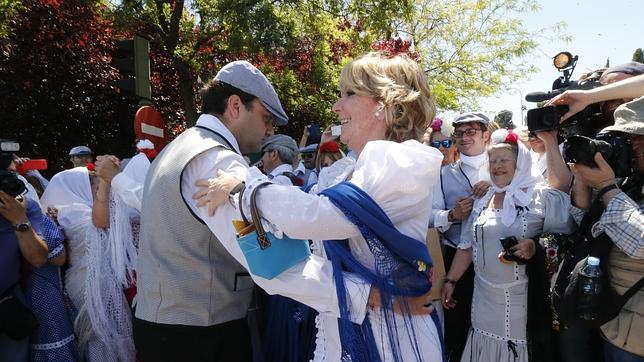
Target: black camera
<point>614,147</point>
<point>9,181</point>
<point>586,122</point>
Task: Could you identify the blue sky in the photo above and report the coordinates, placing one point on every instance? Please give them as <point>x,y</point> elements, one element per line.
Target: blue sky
<point>599,30</point>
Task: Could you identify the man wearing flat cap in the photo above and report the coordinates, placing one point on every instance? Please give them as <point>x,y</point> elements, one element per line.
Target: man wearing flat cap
<point>80,156</point>
<point>453,199</point>
<point>279,152</point>
<point>193,296</point>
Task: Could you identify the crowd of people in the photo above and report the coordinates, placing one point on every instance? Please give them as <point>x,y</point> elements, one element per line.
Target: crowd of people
<point>145,259</point>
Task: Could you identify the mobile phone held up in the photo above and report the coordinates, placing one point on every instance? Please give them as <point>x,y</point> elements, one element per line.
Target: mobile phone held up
<point>507,256</point>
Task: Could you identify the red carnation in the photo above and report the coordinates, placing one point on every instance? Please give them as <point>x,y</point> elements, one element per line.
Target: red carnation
<point>90,167</point>
<point>330,146</point>
<point>511,137</point>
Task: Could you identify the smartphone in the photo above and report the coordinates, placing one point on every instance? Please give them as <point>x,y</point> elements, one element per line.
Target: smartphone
<point>508,243</point>
<point>336,130</point>
<point>39,164</point>
<point>314,133</point>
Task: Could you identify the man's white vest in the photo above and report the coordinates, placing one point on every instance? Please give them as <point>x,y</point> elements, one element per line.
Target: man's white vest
<point>184,275</point>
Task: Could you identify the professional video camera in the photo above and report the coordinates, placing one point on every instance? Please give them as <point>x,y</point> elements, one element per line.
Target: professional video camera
<point>9,181</point>
<point>587,122</point>
<point>579,131</point>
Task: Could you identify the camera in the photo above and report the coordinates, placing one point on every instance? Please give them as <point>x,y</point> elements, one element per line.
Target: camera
<point>9,181</point>
<point>580,132</point>
<point>614,147</point>
<point>587,122</point>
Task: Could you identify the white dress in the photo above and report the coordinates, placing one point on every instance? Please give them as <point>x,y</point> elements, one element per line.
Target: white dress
<point>399,177</point>
<point>499,303</point>
<point>115,342</point>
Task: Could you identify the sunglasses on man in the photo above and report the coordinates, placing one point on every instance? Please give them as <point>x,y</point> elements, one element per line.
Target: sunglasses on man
<point>444,143</point>
<point>306,156</point>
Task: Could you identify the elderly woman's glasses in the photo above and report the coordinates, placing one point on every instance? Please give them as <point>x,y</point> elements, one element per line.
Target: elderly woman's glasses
<point>444,143</point>
<point>468,132</point>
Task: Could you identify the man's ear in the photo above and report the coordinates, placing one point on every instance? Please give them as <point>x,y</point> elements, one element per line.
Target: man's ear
<point>486,136</point>
<point>233,105</point>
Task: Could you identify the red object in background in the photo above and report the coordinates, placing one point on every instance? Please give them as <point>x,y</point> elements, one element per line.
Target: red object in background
<point>148,124</point>
<point>38,164</point>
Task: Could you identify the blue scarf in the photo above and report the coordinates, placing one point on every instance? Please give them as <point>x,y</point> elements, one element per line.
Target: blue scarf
<point>402,267</point>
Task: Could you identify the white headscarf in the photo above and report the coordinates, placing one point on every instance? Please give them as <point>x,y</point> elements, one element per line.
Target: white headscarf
<point>519,191</point>
<point>67,188</point>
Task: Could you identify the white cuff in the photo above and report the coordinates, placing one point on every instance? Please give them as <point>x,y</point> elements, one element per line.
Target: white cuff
<point>441,220</point>
<point>358,296</point>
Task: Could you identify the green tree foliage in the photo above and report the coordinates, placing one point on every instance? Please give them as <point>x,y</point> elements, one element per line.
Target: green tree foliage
<point>638,56</point>
<point>57,89</point>
<point>471,48</point>
<point>504,119</point>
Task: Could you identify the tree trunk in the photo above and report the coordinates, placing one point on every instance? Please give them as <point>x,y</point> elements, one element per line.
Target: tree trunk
<point>186,83</point>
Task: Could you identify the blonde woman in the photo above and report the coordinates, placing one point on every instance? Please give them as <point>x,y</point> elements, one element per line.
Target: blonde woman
<point>379,274</point>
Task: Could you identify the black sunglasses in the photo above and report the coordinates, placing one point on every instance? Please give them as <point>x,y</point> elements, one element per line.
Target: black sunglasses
<point>437,144</point>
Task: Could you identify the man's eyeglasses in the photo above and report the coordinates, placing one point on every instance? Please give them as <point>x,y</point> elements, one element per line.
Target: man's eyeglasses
<point>306,156</point>
<point>468,132</point>
<point>532,135</point>
<point>444,143</point>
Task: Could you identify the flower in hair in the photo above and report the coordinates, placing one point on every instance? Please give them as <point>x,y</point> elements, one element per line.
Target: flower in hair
<point>329,147</point>
<point>436,125</point>
<point>511,137</point>
<point>504,136</point>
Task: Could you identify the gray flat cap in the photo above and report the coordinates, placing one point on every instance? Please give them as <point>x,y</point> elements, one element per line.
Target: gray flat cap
<point>245,76</point>
<point>280,140</point>
<point>310,148</point>
<point>80,150</point>
<point>471,117</point>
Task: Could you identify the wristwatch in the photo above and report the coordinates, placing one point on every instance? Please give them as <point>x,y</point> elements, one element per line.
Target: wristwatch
<point>22,227</point>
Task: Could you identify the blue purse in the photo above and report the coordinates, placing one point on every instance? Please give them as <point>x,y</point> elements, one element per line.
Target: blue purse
<point>266,255</point>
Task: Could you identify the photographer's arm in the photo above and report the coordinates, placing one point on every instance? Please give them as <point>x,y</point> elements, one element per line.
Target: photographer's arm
<point>32,247</point>
<point>558,173</point>
<point>580,99</point>
<point>305,136</point>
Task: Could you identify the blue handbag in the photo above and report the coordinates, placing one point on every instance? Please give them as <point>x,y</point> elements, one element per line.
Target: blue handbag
<point>266,255</point>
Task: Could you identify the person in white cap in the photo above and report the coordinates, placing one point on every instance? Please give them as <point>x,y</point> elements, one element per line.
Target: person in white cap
<point>80,156</point>
<point>192,296</point>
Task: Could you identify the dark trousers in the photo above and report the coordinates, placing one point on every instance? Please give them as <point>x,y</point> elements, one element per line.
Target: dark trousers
<point>224,342</point>
<point>458,319</point>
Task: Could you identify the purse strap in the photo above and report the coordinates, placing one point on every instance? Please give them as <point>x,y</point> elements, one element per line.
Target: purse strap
<point>631,292</point>
<point>262,238</point>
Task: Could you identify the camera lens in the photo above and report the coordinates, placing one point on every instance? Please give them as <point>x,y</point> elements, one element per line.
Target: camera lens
<point>11,184</point>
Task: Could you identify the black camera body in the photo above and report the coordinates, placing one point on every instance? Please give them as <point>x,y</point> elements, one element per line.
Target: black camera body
<point>614,147</point>
<point>9,181</point>
<point>580,132</point>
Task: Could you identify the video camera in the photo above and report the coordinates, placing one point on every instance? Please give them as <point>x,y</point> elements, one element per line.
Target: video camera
<point>579,132</point>
<point>9,181</point>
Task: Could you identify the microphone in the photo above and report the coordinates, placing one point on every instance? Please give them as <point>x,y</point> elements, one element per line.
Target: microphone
<point>542,96</point>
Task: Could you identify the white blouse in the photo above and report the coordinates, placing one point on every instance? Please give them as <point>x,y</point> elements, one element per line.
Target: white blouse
<point>398,176</point>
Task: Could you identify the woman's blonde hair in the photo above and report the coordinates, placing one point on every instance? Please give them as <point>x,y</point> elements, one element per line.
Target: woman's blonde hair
<point>399,85</point>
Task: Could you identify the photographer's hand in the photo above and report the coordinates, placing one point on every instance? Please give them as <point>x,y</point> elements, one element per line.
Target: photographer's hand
<point>305,136</point>
<point>577,100</point>
<point>596,177</point>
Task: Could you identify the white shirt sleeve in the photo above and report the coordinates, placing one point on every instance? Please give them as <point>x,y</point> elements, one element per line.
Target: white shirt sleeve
<point>129,190</point>
<point>310,282</point>
<point>439,217</point>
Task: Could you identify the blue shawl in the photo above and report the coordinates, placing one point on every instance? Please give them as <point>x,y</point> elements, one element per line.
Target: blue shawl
<point>402,266</point>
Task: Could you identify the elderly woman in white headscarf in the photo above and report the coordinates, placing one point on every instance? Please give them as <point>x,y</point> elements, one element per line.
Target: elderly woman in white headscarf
<point>99,263</point>
<point>509,288</point>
